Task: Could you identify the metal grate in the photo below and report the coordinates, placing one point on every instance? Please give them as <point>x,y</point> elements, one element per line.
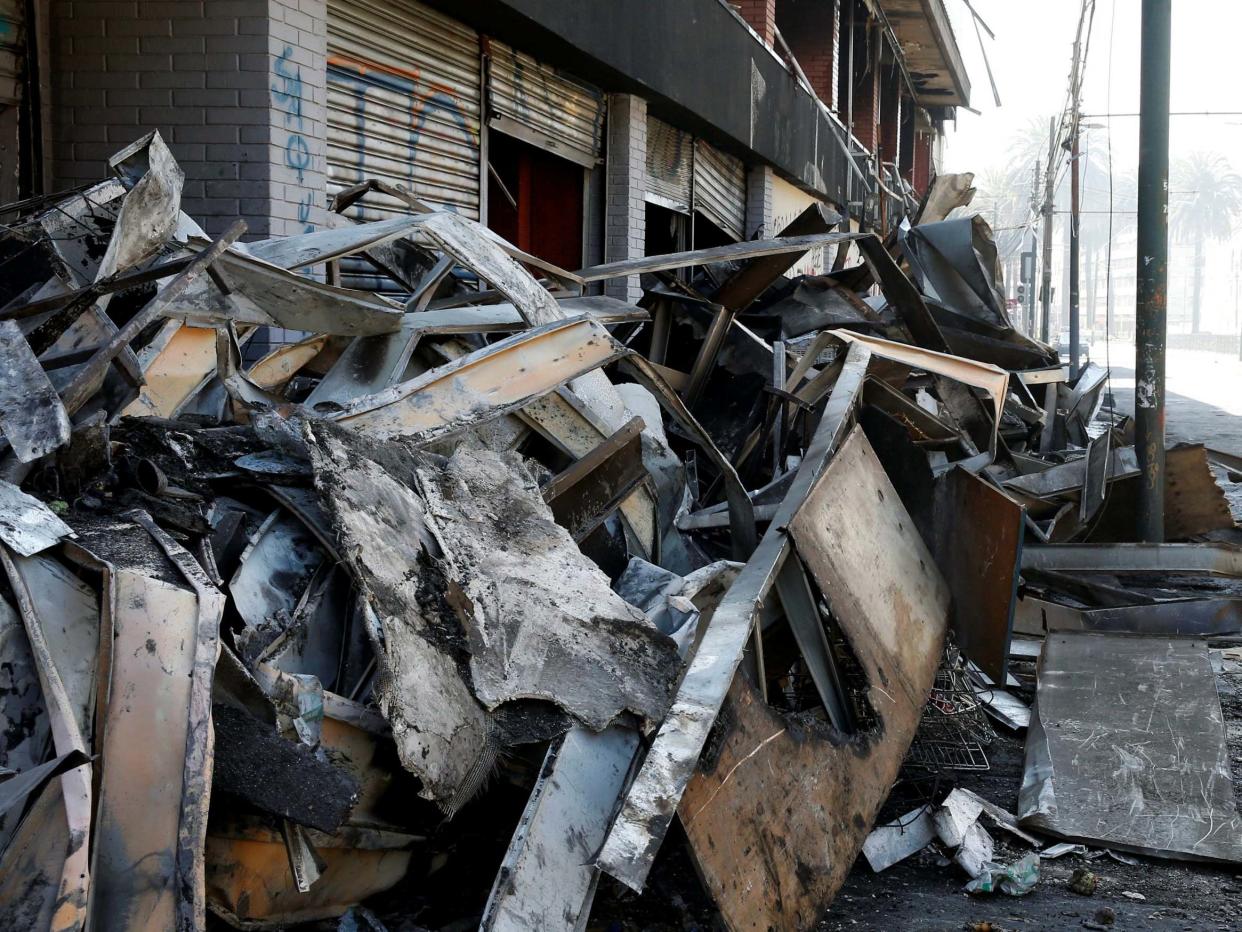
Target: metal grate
<point>954,730</point>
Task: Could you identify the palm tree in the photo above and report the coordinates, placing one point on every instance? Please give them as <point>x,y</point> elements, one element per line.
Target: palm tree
<point>1205,200</point>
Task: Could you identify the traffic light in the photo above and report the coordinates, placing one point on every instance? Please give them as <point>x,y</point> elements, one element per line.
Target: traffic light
<point>1021,292</point>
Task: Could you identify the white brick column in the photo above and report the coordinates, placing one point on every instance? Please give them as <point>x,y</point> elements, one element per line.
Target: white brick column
<point>759,201</point>
<point>625,216</point>
<point>296,111</point>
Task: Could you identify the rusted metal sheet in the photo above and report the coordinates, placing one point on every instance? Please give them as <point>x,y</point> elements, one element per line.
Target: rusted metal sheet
<point>776,817</point>
<point>977,535</point>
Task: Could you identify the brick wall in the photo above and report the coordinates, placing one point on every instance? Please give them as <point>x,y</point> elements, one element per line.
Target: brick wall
<point>761,15</point>
<point>625,187</point>
<point>230,84</point>
<point>890,115</point>
<point>866,96</point>
<point>922,162</point>
<point>813,32</point>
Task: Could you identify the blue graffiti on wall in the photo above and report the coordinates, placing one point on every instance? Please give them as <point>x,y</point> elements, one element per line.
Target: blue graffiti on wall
<point>288,91</point>
<point>360,77</point>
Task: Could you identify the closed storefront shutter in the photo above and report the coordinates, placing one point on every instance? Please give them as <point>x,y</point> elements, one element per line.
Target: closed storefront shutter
<point>404,86</point>
<point>539,105</point>
<point>720,189</point>
<point>670,157</point>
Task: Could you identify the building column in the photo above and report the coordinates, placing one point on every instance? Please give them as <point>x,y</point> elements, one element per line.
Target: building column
<point>761,16</point>
<point>759,201</point>
<point>297,115</point>
<point>625,216</point>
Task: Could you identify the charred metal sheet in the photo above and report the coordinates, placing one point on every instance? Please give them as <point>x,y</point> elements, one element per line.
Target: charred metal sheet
<point>653,797</point>
<point>1174,618</point>
<point>478,249</point>
<point>547,880</point>
<point>20,786</point>
<point>586,493</point>
<point>1095,476</point>
<point>27,525</point>
<point>138,812</point>
<point>278,775</point>
<point>203,648</point>
<point>1127,748</point>
<point>442,733</point>
<point>571,426</point>
<point>734,252</point>
<point>89,377</point>
<point>274,371</point>
<point>1194,503</point>
<point>151,206</point>
<point>69,908</point>
<point>1208,559</point>
<point>923,426</point>
<point>1069,477</point>
<point>276,567</point>
<point>987,378</point>
<point>23,715</point>
<point>304,249</point>
<point>31,414</point>
<point>175,364</point>
<point>536,590</point>
<point>752,279</point>
<point>779,866</point>
<point>977,543</point>
<point>485,384</point>
<point>69,612</point>
<point>268,294</point>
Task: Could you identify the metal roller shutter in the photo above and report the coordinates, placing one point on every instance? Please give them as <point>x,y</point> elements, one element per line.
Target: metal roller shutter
<point>403,103</point>
<point>720,189</point>
<point>535,103</point>
<point>670,157</point>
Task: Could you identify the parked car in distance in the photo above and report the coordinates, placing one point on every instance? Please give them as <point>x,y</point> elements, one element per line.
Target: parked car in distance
<point>1063,348</point>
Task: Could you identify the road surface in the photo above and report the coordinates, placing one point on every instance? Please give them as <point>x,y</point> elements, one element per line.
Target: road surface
<point>1204,394</point>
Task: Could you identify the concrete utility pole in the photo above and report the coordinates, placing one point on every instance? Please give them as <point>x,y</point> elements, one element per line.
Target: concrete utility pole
<point>1045,294</point>
<point>1074,321</point>
<point>1151,308</point>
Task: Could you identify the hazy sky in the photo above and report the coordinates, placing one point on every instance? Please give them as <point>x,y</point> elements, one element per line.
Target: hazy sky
<point>1030,59</point>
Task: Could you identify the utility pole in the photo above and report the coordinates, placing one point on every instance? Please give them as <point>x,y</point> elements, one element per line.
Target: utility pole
<point>1151,306</point>
<point>1074,321</point>
<point>1045,295</point>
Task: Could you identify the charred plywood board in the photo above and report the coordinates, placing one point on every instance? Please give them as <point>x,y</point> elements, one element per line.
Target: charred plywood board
<point>1127,748</point>
<point>777,815</point>
<point>977,542</point>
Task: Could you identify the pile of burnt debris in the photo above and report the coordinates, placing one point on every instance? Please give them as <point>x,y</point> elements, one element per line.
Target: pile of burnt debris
<point>488,588</point>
